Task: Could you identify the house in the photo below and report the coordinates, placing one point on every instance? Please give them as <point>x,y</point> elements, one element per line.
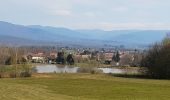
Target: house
<point>85,56</point>
<point>38,57</point>
<point>52,57</point>
<point>108,56</point>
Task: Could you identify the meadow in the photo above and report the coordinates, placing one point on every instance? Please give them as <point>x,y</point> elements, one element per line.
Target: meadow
<point>83,87</point>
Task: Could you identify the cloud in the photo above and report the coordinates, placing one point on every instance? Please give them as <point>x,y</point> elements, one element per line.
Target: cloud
<point>123,26</point>
<point>120,9</point>
<point>111,26</point>
<point>62,13</point>
<point>86,2</point>
<point>98,14</point>
<point>90,14</point>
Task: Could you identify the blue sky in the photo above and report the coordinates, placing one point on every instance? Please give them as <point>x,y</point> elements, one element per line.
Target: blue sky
<point>88,14</point>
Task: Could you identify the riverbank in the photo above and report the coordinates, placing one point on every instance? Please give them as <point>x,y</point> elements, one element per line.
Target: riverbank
<point>91,65</point>
<point>83,87</point>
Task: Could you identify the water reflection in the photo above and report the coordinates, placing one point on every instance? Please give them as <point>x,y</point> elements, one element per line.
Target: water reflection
<point>68,69</point>
<point>55,69</point>
<point>112,70</point>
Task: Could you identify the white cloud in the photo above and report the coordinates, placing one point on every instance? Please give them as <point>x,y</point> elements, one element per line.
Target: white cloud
<point>123,26</point>
<point>62,13</point>
<point>98,14</point>
<point>86,2</point>
<point>120,9</point>
<point>111,26</point>
<point>90,14</point>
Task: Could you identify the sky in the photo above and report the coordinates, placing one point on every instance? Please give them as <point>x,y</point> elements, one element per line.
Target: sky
<point>88,14</point>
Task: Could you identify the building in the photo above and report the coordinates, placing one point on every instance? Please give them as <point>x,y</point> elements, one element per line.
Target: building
<point>108,56</point>
<point>38,57</point>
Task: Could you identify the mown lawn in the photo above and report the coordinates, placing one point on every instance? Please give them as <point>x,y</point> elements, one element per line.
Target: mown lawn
<point>83,87</point>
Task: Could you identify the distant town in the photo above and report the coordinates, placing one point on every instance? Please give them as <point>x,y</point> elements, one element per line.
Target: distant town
<point>66,55</point>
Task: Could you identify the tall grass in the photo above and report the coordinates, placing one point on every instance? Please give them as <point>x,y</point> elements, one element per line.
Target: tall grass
<point>10,71</point>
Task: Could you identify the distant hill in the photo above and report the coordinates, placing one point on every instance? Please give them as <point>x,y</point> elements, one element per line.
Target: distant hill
<point>142,36</point>
<point>36,34</point>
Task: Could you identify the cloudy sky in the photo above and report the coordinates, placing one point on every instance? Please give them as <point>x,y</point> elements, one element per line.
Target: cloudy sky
<point>88,14</point>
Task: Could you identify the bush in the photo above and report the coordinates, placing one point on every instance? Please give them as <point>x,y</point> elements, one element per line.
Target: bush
<point>89,70</point>
<point>12,75</point>
<point>25,74</point>
<point>26,71</point>
<point>96,71</point>
<point>22,70</point>
<point>84,70</point>
<point>157,61</point>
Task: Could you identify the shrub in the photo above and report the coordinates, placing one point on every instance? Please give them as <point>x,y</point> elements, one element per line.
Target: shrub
<point>157,61</point>
<point>84,70</point>
<point>89,70</point>
<point>25,74</point>
<point>12,75</point>
<point>26,71</point>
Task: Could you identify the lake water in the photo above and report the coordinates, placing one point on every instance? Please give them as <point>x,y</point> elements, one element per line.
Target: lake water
<point>67,69</point>
<point>112,70</point>
<point>55,69</point>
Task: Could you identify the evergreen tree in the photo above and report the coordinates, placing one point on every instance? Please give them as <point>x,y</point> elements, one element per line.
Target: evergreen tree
<point>60,58</point>
<point>70,59</point>
<point>116,57</point>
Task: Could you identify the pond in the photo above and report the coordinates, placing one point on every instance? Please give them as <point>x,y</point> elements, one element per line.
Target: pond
<point>112,70</point>
<point>55,69</point>
<point>68,69</point>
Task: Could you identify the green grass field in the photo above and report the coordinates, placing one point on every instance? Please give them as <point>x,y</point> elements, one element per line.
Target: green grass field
<point>83,87</point>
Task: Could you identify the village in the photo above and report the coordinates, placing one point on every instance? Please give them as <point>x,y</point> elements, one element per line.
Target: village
<point>79,55</point>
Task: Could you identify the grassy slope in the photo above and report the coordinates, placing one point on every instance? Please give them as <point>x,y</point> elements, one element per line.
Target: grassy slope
<point>83,87</point>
